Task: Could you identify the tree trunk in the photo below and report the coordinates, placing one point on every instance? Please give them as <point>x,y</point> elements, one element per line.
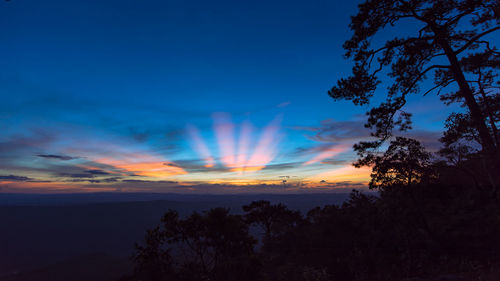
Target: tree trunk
<point>490,115</point>
<point>492,154</point>
<point>477,116</point>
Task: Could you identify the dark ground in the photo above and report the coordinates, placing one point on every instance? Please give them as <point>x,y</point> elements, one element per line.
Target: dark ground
<point>91,236</point>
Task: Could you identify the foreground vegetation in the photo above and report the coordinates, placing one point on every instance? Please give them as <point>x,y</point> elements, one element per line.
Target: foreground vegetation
<point>424,231</point>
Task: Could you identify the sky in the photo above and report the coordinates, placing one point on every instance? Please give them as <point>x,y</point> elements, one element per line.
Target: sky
<point>182,96</point>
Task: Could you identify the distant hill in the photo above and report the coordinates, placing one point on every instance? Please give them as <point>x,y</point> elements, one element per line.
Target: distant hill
<point>95,267</point>
<point>18,199</point>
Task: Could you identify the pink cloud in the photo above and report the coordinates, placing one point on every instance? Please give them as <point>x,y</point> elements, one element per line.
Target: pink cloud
<point>328,153</point>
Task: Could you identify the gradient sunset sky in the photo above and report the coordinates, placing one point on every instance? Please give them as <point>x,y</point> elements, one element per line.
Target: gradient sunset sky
<point>182,96</point>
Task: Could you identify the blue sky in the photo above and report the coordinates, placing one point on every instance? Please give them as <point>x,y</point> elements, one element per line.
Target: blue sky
<point>114,86</point>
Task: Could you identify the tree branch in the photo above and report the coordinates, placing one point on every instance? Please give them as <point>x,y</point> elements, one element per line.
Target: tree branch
<point>474,39</point>
<point>422,75</point>
<point>446,83</point>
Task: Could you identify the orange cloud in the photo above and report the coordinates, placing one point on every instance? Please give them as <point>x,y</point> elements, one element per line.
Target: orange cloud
<point>346,173</point>
<point>52,187</point>
<point>144,165</point>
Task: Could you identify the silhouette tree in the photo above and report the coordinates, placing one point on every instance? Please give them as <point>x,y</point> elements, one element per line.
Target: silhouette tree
<point>273,219</point>
<point>153,261</point>
<point>404,162</point>
<point>450,31</point>
<point>211,246</point>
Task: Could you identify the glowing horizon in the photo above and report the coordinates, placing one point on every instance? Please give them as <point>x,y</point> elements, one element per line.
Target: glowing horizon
<point>241,155</point>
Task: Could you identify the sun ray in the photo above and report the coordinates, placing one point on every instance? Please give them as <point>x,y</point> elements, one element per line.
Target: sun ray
<point>265,151</point>
<point>224,131</point>
<point>200,147</point>
<point>243,147</point>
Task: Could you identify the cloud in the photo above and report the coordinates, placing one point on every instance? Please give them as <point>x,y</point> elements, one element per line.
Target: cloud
<point>79,174</point>
<point>97,172</point>
<point>144,165</point>
<point>331,138</point>
<point>429,139</point>
<point>334,162</point>
<point>113,179</point>
<point>282,166</point>
<point>196,165</point>
<point>304,128</point>
<point>328,152</point>
<point>26,144</point>
<point>81,168</point>
<point>139,136</point>
<point>54,156</point>
<point>337,131</point>
<point>344,174</point>
<point>130,185</point>
<point>284,104</point>
<point>323,153</point>
<point>15,178</point>
<point>105,159</point>
<point>149,181</point>
<point>352,131</point>
<point>344,184</point>
<point>172,165</point>
<point>105,180</point>
<point>84,175</point>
